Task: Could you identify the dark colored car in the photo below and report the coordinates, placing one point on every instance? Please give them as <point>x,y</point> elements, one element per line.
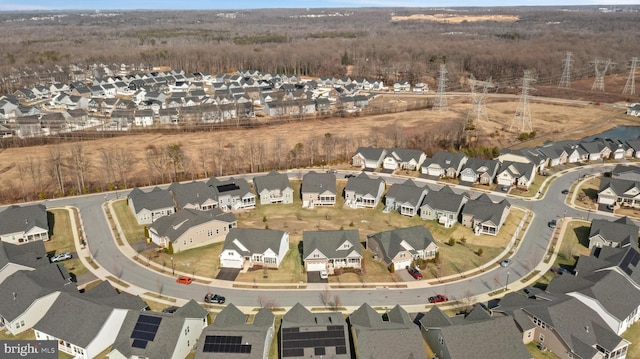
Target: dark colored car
<point>439,298</point>
<point>415,273</point>
<point>171,309</point>
<point>565,191</point>
<point>214,298</point>
<point>552,223</point>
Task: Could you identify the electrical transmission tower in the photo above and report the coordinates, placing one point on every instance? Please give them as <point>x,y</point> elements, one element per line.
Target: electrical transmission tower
<point>441,99</point>
<point>565,80</point>
<point>479,108</point>
<point>630,87</point>
<point>523,114</point>
<point>601,68</point>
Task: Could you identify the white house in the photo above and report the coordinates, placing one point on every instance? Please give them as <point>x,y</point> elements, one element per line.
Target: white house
<point>246,247</point>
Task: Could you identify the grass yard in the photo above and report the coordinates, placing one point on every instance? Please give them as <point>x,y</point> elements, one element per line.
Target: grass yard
<point>633,335</point>
<point>62,241</point>
<point>26,335</point>
<point>133,232</point>
<point>537,354</point>
<point>587,194</point>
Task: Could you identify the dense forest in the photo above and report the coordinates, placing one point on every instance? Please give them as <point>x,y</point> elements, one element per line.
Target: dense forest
<point>364,42</point>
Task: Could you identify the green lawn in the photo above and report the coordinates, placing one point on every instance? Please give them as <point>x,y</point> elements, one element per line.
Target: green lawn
<point>633,335</point>
<point>133,232</point>
<point>62,241</point>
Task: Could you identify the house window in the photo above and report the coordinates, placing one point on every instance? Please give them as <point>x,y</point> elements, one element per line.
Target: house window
<point>441,340</point>
<point>541,338</point>
<point>539,323</point>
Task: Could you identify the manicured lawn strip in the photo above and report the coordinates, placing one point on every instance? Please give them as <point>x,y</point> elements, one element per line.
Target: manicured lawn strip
<point>28,334</point>
<point>537,354</point>
<point>633,335</point>
<point>62,241</point>
<point>132,231</point>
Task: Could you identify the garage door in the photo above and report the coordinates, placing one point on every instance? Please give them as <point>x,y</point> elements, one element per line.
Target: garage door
<point>315,267</point>
<point>504,181</point>
<point>401,265</point>
<point>606,200</point>
<point>231,263</point>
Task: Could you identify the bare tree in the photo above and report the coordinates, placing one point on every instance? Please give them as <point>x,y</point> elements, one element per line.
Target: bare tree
<point>277,151</point>
<point>34,168</point>
<point>203,155</point>
<point>22,171</point>
<point>123,161</point>
<point>108,164</point>
<point>55,167</point>
<point>176,156</point>
<point>80,164</point>
<point>157,161</point>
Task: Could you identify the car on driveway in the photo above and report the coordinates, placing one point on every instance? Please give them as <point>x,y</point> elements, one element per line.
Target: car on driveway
<point>438,298</point>
<point>324,274</point>
<point>505,188</point>
<point>415,273</point>
<point>552,223</point>
<point>214,298</point>
<point>506,262</point>
<point>61,257</point>
<point>171,309</point>
<point>184,280</point>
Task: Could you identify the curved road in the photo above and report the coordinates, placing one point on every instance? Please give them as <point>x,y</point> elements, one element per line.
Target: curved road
<point>530,252</point>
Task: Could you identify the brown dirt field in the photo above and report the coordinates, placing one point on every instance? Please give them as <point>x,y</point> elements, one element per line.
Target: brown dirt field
<point>550,121</point>
<point>456,19</point>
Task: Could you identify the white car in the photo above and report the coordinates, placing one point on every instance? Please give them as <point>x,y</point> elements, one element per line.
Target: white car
<point>61,257</point>
<point>324,274</point>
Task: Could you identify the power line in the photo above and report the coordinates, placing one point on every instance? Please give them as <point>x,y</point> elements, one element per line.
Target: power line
<point>601,68</point>
<point>630,86</point>
<point>523,114</point>
<point>441,99</point>
<point>479,108</point>
<point>565,80</point>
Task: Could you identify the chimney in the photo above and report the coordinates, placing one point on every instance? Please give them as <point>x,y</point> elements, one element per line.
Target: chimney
<point>14,295</point>
<point>587,328</point>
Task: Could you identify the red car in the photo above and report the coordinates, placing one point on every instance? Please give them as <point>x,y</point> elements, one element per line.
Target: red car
<point>415,273</point>
<point>438,298</point>
<point>184,280</point>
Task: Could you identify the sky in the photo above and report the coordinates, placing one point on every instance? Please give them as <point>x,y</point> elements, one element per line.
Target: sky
<point>10,5</point>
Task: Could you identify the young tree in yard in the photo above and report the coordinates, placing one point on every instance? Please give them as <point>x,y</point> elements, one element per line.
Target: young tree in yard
<point>176,156</point>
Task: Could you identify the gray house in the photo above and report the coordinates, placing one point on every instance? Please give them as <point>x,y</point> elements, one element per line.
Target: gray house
<point>478,170</point>
<point>233,335</point>
<point>443,205</point>
<point>444,164</point>
<point>304,334</point>
<point>619,233</point>
<point>368,158</point>
<point>246,247</point>
<point>404,158</point>
<point>232,193</point>
<point>330,250</point>
<point>363,191</point>
<point>405,198</point>
<point>485,216</point>
<point>472,335</point>
<point>274,187</point>
<point>398,248</point>
<point>20,257</point>
<point>519,174</point>
<point>619,191</point>
<point>194,195</point>
<point>396,337</point>
<point>149,206</point>
<point>20,224</point>
<point>318,189</point>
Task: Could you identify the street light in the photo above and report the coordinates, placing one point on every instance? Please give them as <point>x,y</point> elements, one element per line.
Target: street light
<point>506,285</point>
<point>173,268</point>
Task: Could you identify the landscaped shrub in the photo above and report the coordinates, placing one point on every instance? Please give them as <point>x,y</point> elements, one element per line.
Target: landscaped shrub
<point>452,242</point>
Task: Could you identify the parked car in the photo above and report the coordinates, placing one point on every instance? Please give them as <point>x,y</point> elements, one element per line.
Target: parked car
<point>61,257</point>
<point>505,262</point>
<point>565,191</point>
<point>439,298</point>
<point>324,274</point>
<point>552,223</point>
<point>611,207</point>
<point>184,280</point>
<point>214,298</point>
<point>415,273</point>
<point>171,309</point>
<point>505,188</point>
<point>349,175</point>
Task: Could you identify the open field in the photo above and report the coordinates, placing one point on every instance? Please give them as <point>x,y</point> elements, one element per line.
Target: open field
<point>455,18</point>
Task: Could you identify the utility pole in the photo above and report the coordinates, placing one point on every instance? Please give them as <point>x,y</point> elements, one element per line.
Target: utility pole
<point>565,80</point>
<point>523,114</point>
<point>441,99</point>
<point>601,68</point>
<point>479,100</point>
<point>630,86</point>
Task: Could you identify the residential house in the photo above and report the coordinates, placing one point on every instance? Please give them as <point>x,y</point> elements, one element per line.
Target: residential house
<point>619,191</point>
<point>485,216</point>
<point>54,122</point>
<point>20,224</point>
<point>149,206</point>
<point>403,158</point>
<point>28,126</point>
<point>634,145</point>
<point>398,248</point>
<point>406,197</point>
<point>232,193</point>
<point>318,189</point>
<point>190,228</point>
<point>472,335</point>
<point>634,110</point>
<point>233,335</point>
<point>620,233</point>
<point>618,149</point>
<point>443,205</point>
<point>363,191</point>
<point>331,250</point>
<point>143,118</point>
<point>555,153</point>
<point>21,257</point>
<point>304,334</point>
<point>273,187</point>
<point>402,86</point>
<point>168,116</point>
<point>159,335</point>
<point>26,296</point>
<point>595,150</point>
<point>444,164</point>
<point>246,247</point>
<point>519,174</point>
<point>368,158</point>
<point>626,172</point>
<point>84,325</point>
<point>394,336</point>
<point>478,170</point>
<point>524,155</point>
<point>195,194</point>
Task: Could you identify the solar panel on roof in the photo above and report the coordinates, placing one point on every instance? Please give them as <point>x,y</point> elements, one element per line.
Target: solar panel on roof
<point>227,187</point>
<point>225,344</point>
<point>137,334</point>
<point>294,341</point>
<point>137,343</point>
<point>341,350</point>
<point>148,319</point>
<point>292,352</point>
<point>319,351</point>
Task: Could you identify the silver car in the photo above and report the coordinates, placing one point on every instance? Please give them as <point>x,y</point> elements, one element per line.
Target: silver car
<point>61,257</point>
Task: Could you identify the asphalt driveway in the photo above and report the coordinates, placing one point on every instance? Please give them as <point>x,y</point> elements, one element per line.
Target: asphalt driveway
<point>229,274</point>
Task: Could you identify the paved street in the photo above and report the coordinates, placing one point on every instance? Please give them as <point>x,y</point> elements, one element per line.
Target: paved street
<point>529,254</point>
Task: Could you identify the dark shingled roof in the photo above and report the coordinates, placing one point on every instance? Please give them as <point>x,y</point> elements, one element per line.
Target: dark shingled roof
<point>155,199</point>
<point>254,240</point>
<point>329,242</point>
<point>31,254</point>
<point>314,182</point>
<point>23,218</point>
<point>393,242</point>
<point>174,225</point>
<point>270,181</point>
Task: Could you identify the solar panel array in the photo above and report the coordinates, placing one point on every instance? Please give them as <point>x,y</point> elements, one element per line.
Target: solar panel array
<point>295,341</point>
<point>145,331</point>
<point>630,261</point>
<point>227,187</point>
<point>225,344</point>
